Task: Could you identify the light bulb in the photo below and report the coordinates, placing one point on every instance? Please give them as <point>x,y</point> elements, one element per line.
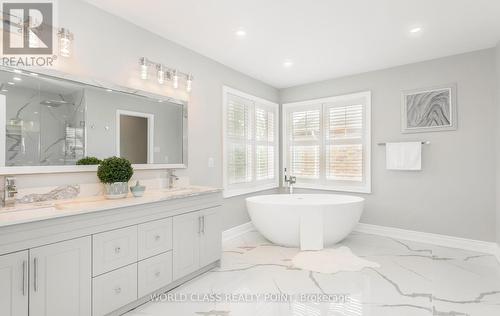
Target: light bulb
<point>175,80</point>
<point>160,74</point>
<point>189,83</point>
<point>144,68</point>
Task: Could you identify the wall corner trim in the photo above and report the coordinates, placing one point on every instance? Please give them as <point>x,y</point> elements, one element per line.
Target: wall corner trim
<point>237,231</point>
<point>491,248</point>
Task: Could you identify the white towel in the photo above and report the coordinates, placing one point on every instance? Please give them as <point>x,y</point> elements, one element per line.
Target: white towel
<point>311,229</point>
<point>404,156</point>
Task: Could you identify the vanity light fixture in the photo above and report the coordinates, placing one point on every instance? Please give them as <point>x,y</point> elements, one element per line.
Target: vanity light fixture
<point>165,73</point>
<point>175,80</point>
<point>65,39</point>
<point>160,74</point>
<point>144,68</point>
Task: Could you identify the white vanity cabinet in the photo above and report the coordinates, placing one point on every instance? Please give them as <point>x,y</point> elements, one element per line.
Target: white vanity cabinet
<point>107,262</point>
<point>14,284</point>
<point>197,241</point>
<point>52,280</point>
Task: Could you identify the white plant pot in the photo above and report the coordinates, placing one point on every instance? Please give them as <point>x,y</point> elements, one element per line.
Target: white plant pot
<point>116,190</point>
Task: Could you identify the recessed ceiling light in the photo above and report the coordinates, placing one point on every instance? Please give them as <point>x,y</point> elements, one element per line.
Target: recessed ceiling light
<point>11,83</point>
<point>17,79</point>
<point>109,90</point>
<point>288,63</point>
<point>240,32</point>
<point>33,74</point>
<point>17,71</point>
<point>415,30</point>
<point>5,90</point>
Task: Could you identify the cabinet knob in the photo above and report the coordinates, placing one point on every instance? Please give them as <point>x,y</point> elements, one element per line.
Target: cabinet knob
<point>118,249</point>
<point>157,237</point>
<point>157,274</point>
<point>118,290</point>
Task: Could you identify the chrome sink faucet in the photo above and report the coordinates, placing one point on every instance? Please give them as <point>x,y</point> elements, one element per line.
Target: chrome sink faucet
<point>171,177</point>
<point>290,181</point>
<point>9,192</point>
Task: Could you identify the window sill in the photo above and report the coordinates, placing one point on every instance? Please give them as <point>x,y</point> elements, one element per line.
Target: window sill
<point>227,193</point>
<point>365,190</point>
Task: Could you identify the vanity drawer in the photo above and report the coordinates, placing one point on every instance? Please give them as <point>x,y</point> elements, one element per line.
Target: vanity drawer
<point>155,237</point>
<point>113,290</point>
<point>154,273</point>
<point>114,249</point>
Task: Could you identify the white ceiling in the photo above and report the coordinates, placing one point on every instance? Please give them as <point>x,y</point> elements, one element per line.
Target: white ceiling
<point>323,38</point>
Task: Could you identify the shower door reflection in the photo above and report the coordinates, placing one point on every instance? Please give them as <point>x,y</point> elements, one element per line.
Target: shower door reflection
<point>44,119</point>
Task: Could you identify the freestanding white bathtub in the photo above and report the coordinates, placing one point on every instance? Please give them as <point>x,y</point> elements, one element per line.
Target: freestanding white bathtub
<point>278,217</point>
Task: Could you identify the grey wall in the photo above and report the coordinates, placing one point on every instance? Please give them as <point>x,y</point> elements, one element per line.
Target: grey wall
<point>107,47</point>
<point>498,140</point>
<point>455,192</point>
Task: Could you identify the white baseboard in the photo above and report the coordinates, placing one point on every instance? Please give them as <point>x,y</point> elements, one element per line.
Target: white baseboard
<point>237,231</point>
<point>398,233</point>
<point>429,238</point>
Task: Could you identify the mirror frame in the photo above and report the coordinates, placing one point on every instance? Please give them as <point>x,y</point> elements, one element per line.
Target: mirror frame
<point>84,82</point>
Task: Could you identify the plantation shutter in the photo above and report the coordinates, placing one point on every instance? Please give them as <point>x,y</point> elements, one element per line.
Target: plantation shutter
<point>250,137</point>
<point>239,140</point>
<point>264,143</point>
<point>304,150</point>
<point>327,142</point>
<point>344,142</point>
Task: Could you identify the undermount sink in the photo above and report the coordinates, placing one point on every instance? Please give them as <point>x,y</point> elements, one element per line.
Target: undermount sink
<point>180,189</point>
<point>38,209</point>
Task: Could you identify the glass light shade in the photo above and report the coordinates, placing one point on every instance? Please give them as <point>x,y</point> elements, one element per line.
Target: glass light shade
<point>160,74</point>
<point>144,72</point>
<point>189,83</point>
<point>65,39</point>
<point>175,80</point>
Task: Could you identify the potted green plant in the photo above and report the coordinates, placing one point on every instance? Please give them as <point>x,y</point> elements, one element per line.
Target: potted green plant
<point>88,161</point>
<point>115,173</point>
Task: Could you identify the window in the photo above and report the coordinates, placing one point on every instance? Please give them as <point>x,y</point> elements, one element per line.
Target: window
<point>327,142</point>
<point>250,132</point>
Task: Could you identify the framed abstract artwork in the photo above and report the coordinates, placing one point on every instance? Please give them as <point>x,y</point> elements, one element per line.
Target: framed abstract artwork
<point>429,110</point>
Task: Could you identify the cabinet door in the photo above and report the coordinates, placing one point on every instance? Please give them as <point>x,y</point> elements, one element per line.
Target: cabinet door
<point>60,279</point>
<point>14,284</point>
<point>210,242</point>
<point>186,237</point>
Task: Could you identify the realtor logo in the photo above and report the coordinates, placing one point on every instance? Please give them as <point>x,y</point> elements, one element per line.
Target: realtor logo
<point>27,28</point>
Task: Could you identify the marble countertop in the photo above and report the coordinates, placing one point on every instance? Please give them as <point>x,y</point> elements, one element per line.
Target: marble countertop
<point>26,213</point>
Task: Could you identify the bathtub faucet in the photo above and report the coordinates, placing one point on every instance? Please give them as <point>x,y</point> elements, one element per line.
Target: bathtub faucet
<point>290,180</point>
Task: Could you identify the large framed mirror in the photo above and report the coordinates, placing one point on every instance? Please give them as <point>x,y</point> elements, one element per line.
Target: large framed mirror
<point>49,123</point>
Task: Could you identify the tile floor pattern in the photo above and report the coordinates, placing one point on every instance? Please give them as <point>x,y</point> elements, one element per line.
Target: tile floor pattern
<point>414,279</point>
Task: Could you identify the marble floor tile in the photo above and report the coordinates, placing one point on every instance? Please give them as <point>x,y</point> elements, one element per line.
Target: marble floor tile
<point>414,279</point>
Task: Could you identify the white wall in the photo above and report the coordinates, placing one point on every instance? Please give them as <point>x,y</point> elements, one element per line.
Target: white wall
<point>498,140</point>
<point>107,47</point>
<point>455,193</point>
